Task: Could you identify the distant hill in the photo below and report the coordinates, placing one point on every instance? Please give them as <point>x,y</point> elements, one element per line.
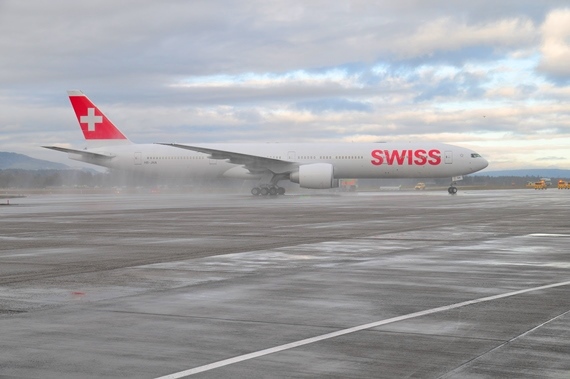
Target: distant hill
<point>541,173</point>
<point>23,162</point>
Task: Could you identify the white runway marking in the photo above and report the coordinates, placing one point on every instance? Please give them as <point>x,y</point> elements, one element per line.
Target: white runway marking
<point>548,235</point>
<point>354,329</point>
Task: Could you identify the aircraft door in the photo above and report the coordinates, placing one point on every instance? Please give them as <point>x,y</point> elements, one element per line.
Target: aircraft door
<point>448,157</point>
<point>138,158</point>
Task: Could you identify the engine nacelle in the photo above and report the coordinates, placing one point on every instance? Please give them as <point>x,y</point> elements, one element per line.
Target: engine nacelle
<point>315,176</point>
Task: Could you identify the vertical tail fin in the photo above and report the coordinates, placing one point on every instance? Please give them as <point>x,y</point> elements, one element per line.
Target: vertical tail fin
<point>94,124</point>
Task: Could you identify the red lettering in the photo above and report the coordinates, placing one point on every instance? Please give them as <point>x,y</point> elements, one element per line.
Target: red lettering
<point>395,155</point>
<point>418,157</point>
<point>421,157</point>
<point>435,156</point>
<point>378,158</point>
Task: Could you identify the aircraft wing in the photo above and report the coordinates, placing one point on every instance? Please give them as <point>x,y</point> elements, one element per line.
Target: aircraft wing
<point>85,153</point>
<point>254,163</point>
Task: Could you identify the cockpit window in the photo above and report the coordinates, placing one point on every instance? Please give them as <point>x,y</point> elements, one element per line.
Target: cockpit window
<point>475,155</point>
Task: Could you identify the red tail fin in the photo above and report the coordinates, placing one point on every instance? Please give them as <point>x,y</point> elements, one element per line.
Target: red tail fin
<point>93,123</point>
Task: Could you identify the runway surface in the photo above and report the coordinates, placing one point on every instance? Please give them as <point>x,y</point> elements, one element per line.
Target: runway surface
<point>366,285</point>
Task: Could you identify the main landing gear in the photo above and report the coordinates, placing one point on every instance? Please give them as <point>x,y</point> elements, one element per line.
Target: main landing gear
<point>271,188</point>
<point>268,189</point>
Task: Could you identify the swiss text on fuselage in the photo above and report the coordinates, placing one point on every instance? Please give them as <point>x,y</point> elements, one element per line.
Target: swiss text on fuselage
<point>410,157</point>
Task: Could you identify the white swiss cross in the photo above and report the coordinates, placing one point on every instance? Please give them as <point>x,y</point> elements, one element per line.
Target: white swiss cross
<point>91,119</point>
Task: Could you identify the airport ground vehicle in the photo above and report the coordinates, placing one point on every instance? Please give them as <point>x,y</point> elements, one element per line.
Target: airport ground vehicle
<point>540,185</point>
<point>563,184</point>
<point>547,181</point>
<point>420,186</point>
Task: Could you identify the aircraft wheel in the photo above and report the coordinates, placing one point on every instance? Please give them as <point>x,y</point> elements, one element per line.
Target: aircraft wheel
<point>281,191</point>
<point>452,190</point>
<point>273,191</point>
<point>255,191</point>
<point>264,191</point>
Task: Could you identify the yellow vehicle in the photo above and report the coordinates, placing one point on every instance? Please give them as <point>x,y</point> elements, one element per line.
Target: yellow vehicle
<point>420,186</point>
<point>540,185</point>
<point>562,184</point>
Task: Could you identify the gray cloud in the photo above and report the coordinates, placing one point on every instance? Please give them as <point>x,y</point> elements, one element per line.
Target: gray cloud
<point>333,105</point>
<point>286,70</point>
<point>551,159</point>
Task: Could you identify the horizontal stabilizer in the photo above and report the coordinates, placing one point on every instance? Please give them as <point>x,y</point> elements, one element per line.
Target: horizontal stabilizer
<point>84,153</point>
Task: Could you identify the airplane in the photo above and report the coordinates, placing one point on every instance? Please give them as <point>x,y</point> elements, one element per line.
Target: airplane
<point>311,165</point>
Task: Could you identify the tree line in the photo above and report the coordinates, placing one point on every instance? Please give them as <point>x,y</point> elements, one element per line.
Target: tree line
<point>27,179</point>
<point>15,178</point>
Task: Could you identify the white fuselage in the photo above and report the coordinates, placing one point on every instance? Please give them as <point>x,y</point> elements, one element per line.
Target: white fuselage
<point>350,160</point>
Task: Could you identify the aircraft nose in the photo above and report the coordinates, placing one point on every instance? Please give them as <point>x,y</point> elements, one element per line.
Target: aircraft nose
<point>484,163</point>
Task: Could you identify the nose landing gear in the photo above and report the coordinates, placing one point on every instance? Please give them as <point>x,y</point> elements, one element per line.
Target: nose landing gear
<point>452,190</point>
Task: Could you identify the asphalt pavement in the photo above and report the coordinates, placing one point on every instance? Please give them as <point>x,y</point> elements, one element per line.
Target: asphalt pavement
<point>316,285</point>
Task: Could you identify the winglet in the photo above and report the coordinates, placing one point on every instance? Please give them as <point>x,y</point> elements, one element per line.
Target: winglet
<point>94,124</point>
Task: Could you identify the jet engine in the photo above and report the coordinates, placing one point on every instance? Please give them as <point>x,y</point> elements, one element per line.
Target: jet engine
<point>315,176</point>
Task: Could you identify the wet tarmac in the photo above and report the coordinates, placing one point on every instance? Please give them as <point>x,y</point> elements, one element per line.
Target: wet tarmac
<point>366,285</point>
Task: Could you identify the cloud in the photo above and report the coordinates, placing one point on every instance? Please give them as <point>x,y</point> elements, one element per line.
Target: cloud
<point>333,105</point>
<point>448,34</point>
<point>551,159</point>
<point>487,74</point>
<point>555,46</point>
<point>464,85</point>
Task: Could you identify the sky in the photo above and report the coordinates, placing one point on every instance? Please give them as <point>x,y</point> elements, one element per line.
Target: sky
<point>493,76</point>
